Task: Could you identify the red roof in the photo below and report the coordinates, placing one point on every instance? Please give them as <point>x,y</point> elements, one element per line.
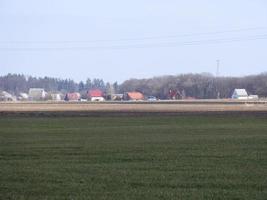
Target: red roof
<point>95,93</point>
<point>135,95</point>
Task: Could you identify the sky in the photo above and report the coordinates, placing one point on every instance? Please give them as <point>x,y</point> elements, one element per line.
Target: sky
<point>117,40</point>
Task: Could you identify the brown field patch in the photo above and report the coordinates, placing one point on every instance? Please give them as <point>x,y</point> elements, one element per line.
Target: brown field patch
<point>132,107</point>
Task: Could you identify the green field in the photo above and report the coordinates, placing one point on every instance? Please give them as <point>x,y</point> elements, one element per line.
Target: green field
<point>137,157</point>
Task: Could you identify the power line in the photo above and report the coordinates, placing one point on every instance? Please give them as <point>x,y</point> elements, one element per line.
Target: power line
<point>152,45</point>
<point>140,38</point>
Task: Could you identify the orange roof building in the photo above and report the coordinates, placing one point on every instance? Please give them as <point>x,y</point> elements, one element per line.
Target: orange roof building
<point>135,96</point>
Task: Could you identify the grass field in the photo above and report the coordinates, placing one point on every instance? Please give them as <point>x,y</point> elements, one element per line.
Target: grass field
<point>137,157</point>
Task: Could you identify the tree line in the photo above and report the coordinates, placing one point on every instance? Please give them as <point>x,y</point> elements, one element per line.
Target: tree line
<point>202,86</point>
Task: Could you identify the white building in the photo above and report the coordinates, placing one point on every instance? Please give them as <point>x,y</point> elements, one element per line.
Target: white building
<point>23,96</point>
<point>240,94</point>
<point>37,94</point>
<point>253,97</point>
<point>56,97</point>
<point>97,99</point>
<point>5,96</point>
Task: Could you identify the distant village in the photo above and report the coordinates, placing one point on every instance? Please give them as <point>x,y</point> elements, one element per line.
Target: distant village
<point>39,94</point>
<point>15,87</point>
<point>97,95</point>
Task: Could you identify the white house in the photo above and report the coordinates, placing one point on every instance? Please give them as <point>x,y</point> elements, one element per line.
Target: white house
<point>37,94</point>
<point>240,94</point>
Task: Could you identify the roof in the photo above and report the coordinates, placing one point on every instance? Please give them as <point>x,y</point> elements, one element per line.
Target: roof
<point>24,95</point>
<point>95,93</point>
<point>5,94</point>
<point>36,89</point>
<point>135,95</point>
<point>240,92</point>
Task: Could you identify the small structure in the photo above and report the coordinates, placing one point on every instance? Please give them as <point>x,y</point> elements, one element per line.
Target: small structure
<point>56,97</point>
<point>23,96</point>
<point>240,94</point>
<point>176,94</point>
<point>134,96</point>
<point>5,96</point>
<point>117,97</point>
<point>95,95</point>
<point>37,94</point>
<point>253,97</point>
<point>75,96</point>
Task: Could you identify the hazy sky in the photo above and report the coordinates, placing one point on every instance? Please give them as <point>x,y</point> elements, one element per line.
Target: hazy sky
<point>119,39</point>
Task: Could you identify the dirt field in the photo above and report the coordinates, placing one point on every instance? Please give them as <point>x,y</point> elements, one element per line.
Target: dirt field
<point>161,106</point>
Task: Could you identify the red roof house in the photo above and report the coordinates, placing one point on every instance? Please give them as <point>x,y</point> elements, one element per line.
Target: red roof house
<point>95,93</point>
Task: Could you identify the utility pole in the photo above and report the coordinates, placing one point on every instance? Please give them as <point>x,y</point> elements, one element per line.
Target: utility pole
<point>218,68</point>
<point>217,76</point>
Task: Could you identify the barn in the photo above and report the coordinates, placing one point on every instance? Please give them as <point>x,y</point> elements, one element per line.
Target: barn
<point>36,94</point>
<point>95,95</point>
<point>134,96</point>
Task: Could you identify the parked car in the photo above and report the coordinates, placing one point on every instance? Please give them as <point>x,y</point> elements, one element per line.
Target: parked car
<point>151,98</point>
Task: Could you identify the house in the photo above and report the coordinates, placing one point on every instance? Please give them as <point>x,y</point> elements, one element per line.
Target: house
<point>36,94</point>
<point>5,96</point>
<point>134,96</point>
<point>75,96</point>
<point>95,95</point>
<point>240,94</point>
